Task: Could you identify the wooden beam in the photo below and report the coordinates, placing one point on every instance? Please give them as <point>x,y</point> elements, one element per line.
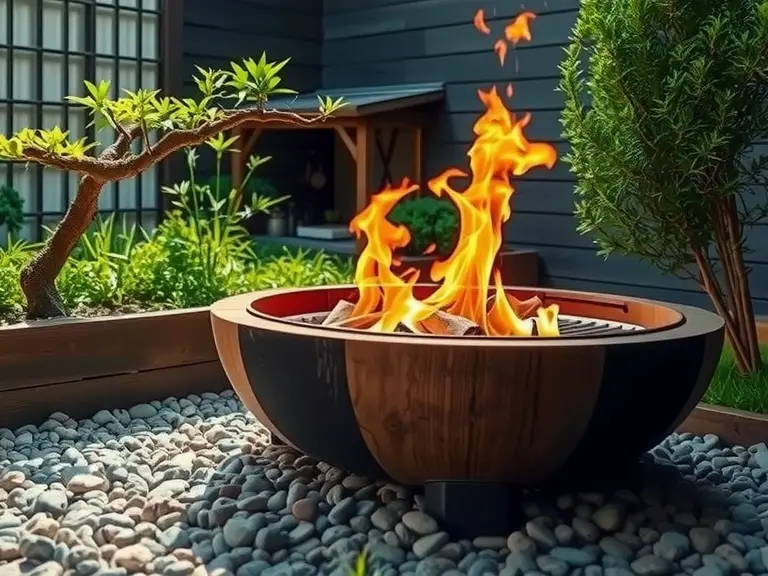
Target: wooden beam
<point>361,180</point>
<point>348,142</point>
<point>250,143</point>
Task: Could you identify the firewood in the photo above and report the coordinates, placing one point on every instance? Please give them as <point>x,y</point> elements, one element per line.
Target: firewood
<point>523,308</point>
<point>446,324</point>
<point>341,312</point>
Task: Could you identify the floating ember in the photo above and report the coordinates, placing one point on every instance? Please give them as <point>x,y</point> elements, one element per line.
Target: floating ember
<point>464,303</point>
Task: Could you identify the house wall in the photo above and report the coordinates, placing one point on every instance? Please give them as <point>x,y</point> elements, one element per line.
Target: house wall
<point>403,41</point>
<point>217,33</point>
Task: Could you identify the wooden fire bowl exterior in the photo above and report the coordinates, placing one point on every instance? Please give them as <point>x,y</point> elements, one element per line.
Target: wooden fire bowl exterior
<point>419,408</point>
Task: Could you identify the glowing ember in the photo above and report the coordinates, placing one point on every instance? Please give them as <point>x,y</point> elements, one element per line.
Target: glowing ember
<point>464,301</point>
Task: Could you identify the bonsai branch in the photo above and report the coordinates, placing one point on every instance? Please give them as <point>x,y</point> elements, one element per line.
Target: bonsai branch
<point>105,169</point>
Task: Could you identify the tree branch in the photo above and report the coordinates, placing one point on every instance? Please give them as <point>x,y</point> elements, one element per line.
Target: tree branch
<point>104,169</point>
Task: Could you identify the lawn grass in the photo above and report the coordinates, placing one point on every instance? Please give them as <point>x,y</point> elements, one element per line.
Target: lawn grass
<point>731,389</point>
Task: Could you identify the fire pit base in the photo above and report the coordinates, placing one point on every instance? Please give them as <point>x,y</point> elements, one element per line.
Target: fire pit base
<point>468,509</point>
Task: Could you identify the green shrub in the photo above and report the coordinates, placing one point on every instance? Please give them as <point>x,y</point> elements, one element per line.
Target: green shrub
<point>198,254</point>
<point>94,275</point>
<point>12,258</point>
<point>11,210</point>
<point>430,220</point>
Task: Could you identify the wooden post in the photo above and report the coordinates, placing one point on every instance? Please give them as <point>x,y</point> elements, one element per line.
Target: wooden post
<point>417,156</point>
<point>361,179</point>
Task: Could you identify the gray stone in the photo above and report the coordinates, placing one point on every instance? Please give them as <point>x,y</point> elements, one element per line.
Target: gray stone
<point>240,532</point>
<point>573,556</point>
<point>651,565</point>
<point>384,519</point>
<point>430,544</point>
<point>419,523</point>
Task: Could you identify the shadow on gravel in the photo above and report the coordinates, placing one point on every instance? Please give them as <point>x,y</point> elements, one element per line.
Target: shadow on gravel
<point>191,487</point>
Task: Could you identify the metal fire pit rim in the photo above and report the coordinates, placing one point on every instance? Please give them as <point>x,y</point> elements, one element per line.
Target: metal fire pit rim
<point>694,321</point>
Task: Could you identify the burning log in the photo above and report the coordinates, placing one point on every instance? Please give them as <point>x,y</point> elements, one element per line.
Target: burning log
<point>523,308</point>
<point>439,324</point>
<point>445,324</point>
<point>341,312</point>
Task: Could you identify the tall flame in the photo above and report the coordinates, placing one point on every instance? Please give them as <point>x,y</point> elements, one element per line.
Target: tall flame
<point>500,151</point>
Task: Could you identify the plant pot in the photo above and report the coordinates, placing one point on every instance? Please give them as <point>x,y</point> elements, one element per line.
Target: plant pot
<point>277,226</point>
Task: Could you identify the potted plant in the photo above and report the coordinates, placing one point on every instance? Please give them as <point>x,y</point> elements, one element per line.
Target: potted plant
<point>434,226</point>
<point>432,222</point>
<point>677,96</point>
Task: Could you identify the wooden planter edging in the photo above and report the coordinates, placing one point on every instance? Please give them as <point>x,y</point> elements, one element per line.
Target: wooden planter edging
<point>82,365</point>
<point>731,425</point>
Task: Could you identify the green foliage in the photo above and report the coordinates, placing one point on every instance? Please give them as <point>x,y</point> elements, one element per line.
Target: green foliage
<point>430,220</point>
<point>12,258</point>
<point>197,255</point>
<point>250,81</point>
<point>732,389</point>
<point>677,94</point>
<point>96,274</point>
<point>11,209</point>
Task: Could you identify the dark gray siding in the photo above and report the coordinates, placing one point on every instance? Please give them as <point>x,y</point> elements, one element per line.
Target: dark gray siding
<point>216,33</point>
<point>391,41</point>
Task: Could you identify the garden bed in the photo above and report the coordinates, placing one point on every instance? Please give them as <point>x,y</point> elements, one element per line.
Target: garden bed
<point>82,365</point>
<point>735,407</point>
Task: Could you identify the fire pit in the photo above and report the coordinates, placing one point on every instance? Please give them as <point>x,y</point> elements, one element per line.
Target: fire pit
<point>468,416</point>
<point>463,385</point>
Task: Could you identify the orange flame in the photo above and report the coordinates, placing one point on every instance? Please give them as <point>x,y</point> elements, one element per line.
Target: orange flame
<point>520,29</point>
<point>479,22</point>
<point>500,151</point>
<point>501,50</point>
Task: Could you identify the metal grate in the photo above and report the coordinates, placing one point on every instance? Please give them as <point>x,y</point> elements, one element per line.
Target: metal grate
<point>576,326</point>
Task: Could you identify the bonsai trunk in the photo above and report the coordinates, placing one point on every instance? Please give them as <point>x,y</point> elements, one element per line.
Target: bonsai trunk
<point>38,278</point>
<point>732,298</point>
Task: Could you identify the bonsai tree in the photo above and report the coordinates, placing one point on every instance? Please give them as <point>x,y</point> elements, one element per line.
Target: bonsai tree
<point>135,118</point>
<point>432,222</point>
<point>663,151</point>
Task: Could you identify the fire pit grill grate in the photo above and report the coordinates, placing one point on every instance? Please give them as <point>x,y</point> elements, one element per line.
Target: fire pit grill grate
<point>580,326</point>
<point>570,326</point>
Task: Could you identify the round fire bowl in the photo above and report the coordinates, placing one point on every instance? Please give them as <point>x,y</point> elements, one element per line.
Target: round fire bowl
<point>418,408</point>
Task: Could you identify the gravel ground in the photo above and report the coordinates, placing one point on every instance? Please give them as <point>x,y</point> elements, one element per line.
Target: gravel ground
<point>191,486</point>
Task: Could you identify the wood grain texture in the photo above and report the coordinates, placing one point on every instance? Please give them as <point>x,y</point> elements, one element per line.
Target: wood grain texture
<point>225,335</point>
<point>80,399</point>
<point>731,425</point>
<point>71,349</point>
<point>481,414</point>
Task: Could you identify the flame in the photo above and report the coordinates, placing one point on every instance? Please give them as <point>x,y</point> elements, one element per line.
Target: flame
<point>500,151</point>
<point>501,50</point>
<point>520,29</point>
<point>479,22</point>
